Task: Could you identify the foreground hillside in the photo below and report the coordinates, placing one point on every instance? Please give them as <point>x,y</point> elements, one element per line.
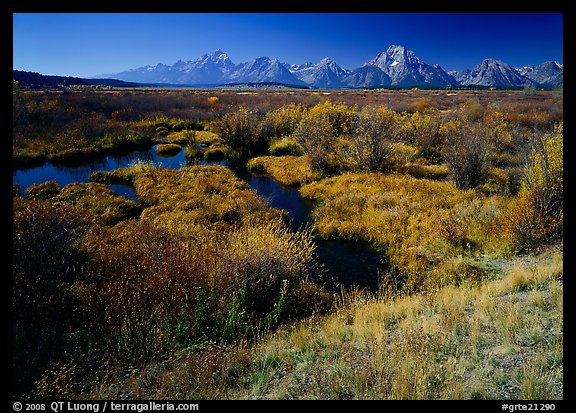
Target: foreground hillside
<point>502,339</point>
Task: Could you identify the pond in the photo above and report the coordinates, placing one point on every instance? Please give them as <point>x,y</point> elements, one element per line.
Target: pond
<point>346,262</point>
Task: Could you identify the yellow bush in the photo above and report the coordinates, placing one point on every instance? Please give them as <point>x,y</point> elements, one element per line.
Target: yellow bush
<point>285,119</point>
<point>537,218</point>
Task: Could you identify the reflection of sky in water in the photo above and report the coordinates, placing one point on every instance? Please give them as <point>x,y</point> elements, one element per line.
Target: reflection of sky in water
<point>282,197</point>
<point>123,190</point>
<point>65,175</point>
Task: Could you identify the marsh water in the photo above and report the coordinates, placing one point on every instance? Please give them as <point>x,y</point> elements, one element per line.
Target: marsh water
<point>347,262</point>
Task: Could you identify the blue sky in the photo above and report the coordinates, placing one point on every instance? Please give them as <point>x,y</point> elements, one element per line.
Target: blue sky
<point>87,44</point>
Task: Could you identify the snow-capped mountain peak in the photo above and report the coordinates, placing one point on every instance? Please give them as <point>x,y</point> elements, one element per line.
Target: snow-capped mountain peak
<point>400,54</point>
<point>406,69</point>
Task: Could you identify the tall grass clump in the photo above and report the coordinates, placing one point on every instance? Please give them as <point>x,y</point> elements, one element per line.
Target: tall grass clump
<point>168,149</point>
<point>286,146</point>
<point>268,261</point>
<point>288,170</point>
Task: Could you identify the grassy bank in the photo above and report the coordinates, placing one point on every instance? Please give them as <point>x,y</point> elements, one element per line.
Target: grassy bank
<point>502,339</point>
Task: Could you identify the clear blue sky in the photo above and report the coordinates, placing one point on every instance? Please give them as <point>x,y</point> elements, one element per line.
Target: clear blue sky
<point>87,44</point>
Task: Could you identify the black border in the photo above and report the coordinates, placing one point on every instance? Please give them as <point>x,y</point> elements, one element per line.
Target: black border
<point>103,6</point>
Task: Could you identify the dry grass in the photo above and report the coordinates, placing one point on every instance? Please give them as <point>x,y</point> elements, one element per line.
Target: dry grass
<point>423,171</point>
<point>491,341</point>
<point>100,202</point>
<point>288,170</point>
<point>502,339</point>
<point>420,223</point>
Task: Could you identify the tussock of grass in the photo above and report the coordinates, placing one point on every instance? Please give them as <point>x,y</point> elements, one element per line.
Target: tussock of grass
<point>288,170</point>
<point>168,149</point>
<point>43,191</point>
<point>203,195</point>
<point>180,200</point>
<point>28,157</point>
<point>208,138</point>
<point>183,137</point>
<point>102,203</point>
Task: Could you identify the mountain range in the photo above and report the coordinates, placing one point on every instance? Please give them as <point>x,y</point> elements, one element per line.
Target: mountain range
<point>397,66</point>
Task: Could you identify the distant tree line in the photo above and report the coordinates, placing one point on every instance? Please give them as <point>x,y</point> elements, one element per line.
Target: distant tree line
<point>34,80</point>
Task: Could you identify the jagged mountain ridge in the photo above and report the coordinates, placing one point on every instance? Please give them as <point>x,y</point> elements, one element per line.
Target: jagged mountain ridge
<point>397,66</point>
<point>492,72</point>
<point>547,74</point>
<point>263,69</point>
